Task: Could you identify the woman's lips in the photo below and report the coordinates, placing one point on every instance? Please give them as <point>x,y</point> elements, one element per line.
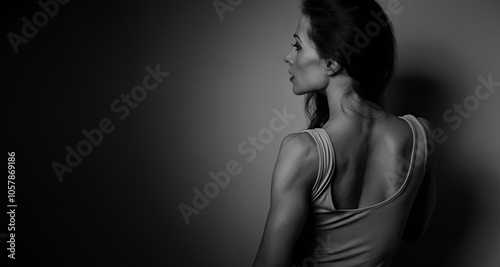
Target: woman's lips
<point>291,78</point>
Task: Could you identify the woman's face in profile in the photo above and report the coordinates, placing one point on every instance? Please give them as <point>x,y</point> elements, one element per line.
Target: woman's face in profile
<point>307,68</point>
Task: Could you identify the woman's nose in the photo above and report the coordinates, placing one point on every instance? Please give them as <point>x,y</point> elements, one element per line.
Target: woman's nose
<point>288,59</point>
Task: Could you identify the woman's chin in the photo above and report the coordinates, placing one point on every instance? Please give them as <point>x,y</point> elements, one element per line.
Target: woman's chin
<point>298,91</point>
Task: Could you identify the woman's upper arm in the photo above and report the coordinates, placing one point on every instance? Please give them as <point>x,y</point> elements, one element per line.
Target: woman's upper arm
<point>293,177</point>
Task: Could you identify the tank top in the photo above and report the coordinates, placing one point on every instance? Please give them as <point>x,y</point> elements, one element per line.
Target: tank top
<point>367,236</point>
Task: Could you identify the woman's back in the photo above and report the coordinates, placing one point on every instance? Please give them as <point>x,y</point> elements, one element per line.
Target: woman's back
<point>363,193</point>
<point>364,151</point>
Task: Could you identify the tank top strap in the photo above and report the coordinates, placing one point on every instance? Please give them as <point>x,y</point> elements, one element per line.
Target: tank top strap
<point>326,161</point>
<point>422,148</point>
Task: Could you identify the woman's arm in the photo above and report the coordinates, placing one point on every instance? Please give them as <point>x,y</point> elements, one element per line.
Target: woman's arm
<point>425,200</point>
<point>293,178</point>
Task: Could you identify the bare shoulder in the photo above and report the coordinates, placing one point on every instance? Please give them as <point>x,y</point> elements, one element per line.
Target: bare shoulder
<point>300,146</point>
<point>301,140</point>
<point>298,161</point>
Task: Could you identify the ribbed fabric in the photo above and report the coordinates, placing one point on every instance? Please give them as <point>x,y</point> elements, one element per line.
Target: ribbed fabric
<point>367,236</point>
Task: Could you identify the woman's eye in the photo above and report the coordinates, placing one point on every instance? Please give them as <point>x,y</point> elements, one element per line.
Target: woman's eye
<point>297,46</point>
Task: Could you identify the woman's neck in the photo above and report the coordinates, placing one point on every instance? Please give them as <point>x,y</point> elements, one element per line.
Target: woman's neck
<point>336,89</point>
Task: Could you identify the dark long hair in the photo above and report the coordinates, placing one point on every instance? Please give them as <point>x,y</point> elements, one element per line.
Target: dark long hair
<point>359,36</point>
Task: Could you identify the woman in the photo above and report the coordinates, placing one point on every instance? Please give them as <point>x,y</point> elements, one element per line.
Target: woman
<point>346,190</point>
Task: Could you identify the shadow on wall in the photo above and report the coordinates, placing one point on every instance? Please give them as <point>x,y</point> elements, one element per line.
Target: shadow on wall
<point>424,86</point>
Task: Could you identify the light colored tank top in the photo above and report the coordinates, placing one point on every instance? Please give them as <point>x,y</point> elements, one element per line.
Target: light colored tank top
<point>367,236</point>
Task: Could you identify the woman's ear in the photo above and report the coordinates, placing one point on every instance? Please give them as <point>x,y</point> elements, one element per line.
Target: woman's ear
<point>332,67</point>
